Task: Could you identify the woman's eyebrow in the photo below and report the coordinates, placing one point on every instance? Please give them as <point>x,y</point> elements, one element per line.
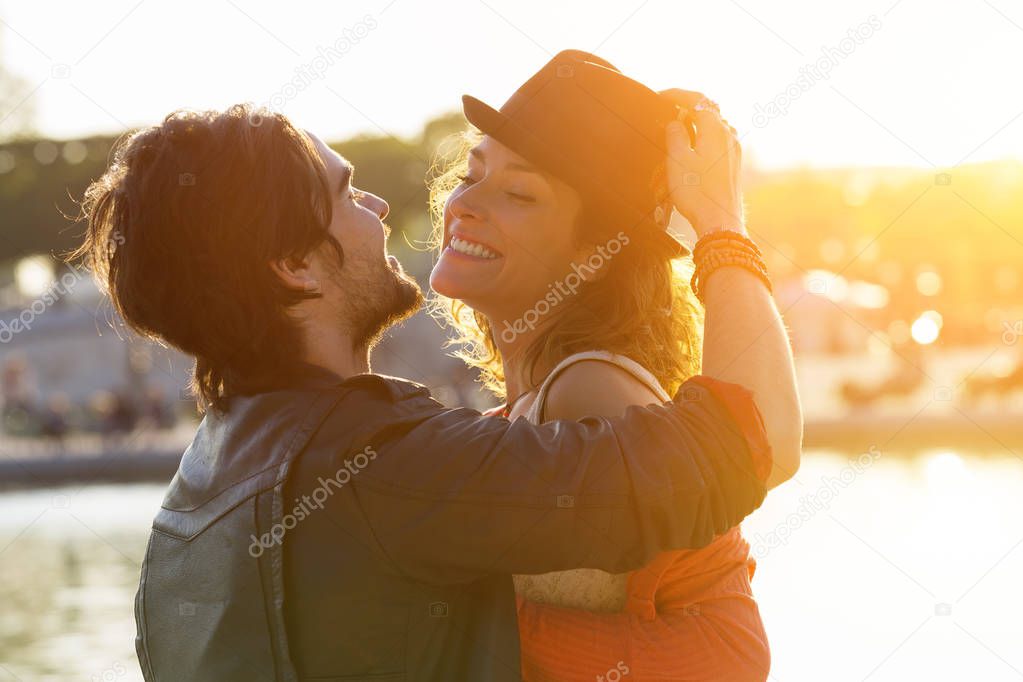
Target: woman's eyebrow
<point>525,167</point>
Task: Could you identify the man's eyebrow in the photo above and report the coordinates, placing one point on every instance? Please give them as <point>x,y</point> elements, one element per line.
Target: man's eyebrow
<point>346,178</point>
<point>525,167</point>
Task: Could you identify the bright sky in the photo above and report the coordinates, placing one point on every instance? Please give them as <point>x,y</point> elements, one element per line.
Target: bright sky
<point>925,84</point>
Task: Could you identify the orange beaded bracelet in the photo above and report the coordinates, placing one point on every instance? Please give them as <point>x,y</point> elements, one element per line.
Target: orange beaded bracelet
<point>725,247</point>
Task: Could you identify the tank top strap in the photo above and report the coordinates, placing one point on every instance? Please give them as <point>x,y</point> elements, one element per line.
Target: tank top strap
<point>535,413</point>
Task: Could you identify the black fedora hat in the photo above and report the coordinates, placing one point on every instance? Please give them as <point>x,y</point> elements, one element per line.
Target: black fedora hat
<point>599,131</point>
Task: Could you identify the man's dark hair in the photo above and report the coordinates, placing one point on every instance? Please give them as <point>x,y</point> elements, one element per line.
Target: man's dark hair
<point>182,229</point>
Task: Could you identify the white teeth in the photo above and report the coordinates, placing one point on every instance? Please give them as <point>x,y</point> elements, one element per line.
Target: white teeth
<point>471,248</point>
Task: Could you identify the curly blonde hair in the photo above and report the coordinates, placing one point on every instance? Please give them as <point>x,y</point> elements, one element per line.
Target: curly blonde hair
<point>643,308</point>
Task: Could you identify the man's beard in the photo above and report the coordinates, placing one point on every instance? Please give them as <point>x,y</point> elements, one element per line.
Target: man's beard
<point>376,298</point>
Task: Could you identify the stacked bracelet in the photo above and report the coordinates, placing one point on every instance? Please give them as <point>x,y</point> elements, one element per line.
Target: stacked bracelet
<point>725,247</point>
<point>730,237</point>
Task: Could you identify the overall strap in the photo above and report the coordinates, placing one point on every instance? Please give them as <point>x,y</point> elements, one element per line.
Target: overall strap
<point>536,410</point>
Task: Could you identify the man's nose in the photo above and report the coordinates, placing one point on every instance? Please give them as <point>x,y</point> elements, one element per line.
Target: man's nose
<point>377,205</point>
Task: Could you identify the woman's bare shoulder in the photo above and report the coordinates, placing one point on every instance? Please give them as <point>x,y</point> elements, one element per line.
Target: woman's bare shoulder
<point>595,388</point>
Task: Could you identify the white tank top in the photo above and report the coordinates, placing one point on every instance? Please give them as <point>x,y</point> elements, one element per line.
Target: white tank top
<point>589,589</point>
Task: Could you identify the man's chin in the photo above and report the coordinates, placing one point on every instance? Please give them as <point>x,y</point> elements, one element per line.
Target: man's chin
<point>403,301</point>
<point>408,299</point>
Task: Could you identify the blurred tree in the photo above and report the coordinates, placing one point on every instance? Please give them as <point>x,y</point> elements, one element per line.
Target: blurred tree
<point>880,225</point>
<point>17,113</point>
<point>41,182</point>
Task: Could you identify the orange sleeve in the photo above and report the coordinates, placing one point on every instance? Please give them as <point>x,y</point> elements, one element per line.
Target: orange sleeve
<point>738,400</point>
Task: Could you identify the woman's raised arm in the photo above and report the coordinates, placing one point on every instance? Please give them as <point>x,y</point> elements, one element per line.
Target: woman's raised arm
<point>745,341</point>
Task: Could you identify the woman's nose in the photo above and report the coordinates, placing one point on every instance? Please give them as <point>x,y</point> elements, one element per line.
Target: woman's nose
<point>465,204</point>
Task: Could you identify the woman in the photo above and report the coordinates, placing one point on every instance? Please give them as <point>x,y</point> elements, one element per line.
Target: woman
<point>558,268</point>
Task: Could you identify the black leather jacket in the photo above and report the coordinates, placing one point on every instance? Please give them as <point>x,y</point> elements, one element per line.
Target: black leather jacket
<point>358,530</point>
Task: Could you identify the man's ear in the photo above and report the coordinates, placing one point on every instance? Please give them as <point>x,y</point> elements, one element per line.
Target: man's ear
<point>295,273</point>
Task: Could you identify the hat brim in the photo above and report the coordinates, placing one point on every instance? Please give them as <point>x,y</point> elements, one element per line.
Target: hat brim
<point>493,123</point>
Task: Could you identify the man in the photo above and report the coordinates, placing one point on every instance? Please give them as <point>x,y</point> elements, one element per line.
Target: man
<point>329,523</point>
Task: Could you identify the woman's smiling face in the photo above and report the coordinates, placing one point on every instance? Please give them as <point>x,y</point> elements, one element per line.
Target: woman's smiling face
<point>508,234</point>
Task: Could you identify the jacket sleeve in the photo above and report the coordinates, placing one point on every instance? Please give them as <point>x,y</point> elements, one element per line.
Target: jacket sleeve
<point>454,495</point>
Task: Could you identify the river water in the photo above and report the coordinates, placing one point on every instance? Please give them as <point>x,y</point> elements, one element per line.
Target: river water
<point>871,566</point>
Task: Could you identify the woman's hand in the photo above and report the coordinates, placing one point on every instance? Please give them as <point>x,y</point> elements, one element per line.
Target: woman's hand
<point>704,179</point>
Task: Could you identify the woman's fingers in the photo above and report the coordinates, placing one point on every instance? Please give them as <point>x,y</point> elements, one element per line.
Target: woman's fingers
<point>685,98</point>
<point>711,140</point>
<point>680,144</point>
<point>712,132</point>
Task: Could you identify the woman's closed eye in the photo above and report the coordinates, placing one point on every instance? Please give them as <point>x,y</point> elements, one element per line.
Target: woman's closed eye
<point>467,180</point>
<point>524,198</point>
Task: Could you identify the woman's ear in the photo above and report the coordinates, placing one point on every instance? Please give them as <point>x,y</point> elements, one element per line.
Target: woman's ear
<point>295,273</point>
<point>591,255</point>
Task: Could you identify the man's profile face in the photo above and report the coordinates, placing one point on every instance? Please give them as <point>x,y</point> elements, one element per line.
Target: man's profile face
<point>370,291</point>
